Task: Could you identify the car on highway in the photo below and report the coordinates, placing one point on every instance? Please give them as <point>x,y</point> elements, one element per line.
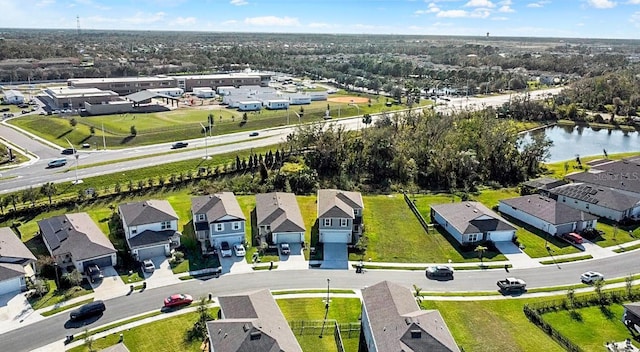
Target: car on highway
<point>87,310</point>
<point>439,271</point>
<point>573,237</point>
<point>254,134</point>
<point>179,299</point>
<point>591,277</point>
<point>68,151</point>
<point>239,250</point>
<point>86,145</point>
<point>148,266</point>
<point>179,145</point>
<point>94,273</point>
<point>284,249</point>
<point>57,163</point>
<point>225,249</point>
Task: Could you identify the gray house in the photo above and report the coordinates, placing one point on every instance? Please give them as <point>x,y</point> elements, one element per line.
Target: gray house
<point>547,215</point>
<point>251,322</point>
<point>74,240</point>
<point>279,218</point>
<point>631,316</point>
<point>541,185</point>
<point>16,262</point>
<point>150,228</point>
<point>472,222</point>
<point>217,218</point>
<point>339,216</point>
<point>393,321</point>
<point>606,202</point>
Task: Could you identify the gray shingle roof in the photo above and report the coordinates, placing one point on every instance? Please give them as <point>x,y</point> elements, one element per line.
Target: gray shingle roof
<point>544,183</point>
<point>398,324</point>
<point>251,323</point>
<point>634,308</point>
<point>280,211</point>
<point>120,347</point>
<point>548,209</point>
<point>334,203</point>
<point>216,206</point>
<point>472,217</point>
<point>148,237</point>
<point>10,271</point>
<point>76,234</point>
<point>11,247</point>
<point>147,212</point>
<point>617,174</point>
<point>603,196</point>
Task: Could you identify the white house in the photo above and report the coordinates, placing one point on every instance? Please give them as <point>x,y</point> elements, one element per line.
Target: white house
<point>472,222</point>
<point>317,96</point>
<point>204,92</point>
<point>13,97</point>
<point>299,99</point>
<point>16,262</point>
<point>74,240</point>
<point>279,217</point>
<point>225,90</point>
<point>602,201</point>
<point>217,218</point>
<point>277,104</point>
<point>249,105</point>
<point>150,228</point>
<point>547,215</point>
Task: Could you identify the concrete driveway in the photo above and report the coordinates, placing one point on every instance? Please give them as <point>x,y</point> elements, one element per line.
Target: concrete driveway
<point>234,265</point>
<point>110,286</point>
<point>295,260</point>
<point>163,275</point>
<point>335,256</point>
<point>16,311</point>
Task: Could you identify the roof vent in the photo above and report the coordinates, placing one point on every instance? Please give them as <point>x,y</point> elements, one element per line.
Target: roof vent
<point>246,327</point>
<point>407,320</point>
<point>256,335</point>
<point>416,334</point>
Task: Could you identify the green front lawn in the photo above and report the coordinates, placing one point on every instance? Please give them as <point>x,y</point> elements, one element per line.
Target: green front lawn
<point>163,335</point>
<point>557,169</point>
<point>54,296</point>
<point>591,327</point>
<point>493,325</point>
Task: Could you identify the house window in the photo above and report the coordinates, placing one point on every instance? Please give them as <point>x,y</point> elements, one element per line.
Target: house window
<point>200,217</point>
<point>344,222</point>
<point>165,225</point>
<point>236,225</point>
<point>219,227</point>
<point>327,222</point>
<point>356,211</point>
<point>133,230</point>
<point>473,237</point>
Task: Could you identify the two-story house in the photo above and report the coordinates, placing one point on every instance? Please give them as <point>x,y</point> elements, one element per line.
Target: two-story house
<point>217,218</point>
<point>339,216</point>
<point>150,228</point>
<point>279,218</point>
<point>16,262</point>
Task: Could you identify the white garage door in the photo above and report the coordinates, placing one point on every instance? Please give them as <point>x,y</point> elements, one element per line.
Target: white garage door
<point>231,239</point>
<point>288,237</point>
<point>150,252</point>
<point>334,237</point>
<point>499,236</point>
<point>11,285</point>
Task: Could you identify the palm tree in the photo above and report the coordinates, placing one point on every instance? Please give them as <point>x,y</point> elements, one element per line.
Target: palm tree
<point>13,199</point>
<point>48,190</point>
<point>366,119</point>
<point>480,250</point>
<point>418,294</point>
<point>29,195</point>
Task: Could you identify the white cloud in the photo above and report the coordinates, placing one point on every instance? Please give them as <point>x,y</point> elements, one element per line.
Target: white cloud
<point>272,21</point>
<point>602,4</point>
<point>506,8</point>
<point>635,19</point>
<point>633,2</point>
<point>480,13</point>
<point>480,3</point>
<point>229,22</point>
<point>537,4</point>
<point>43,3</point>
<point>431,8</point>
<point>184,21</point>
<point>238,2</point>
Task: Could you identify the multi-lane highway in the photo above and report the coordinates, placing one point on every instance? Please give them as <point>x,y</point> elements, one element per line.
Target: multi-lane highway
<point>57,327</point>
<point>35,173</point>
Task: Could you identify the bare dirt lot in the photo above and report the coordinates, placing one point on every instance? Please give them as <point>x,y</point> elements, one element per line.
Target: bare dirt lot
<point>348,99</point>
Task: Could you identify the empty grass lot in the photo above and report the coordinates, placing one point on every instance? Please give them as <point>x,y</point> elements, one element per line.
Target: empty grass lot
<point>162,335</point>
<point>343,310</point>
<point>591,327</point>
<point>395,235</point>
<point>494,325</point>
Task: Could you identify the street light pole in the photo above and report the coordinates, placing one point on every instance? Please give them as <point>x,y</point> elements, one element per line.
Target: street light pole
<point>326,310</point>
<point>104,141</point>
<point>299,118</point>
<point>77,156</point>
<point>206,149</point>
<point>55,267</point>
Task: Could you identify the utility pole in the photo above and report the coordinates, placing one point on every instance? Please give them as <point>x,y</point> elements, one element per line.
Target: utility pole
<point>77,156</point>
<point>104,141</point>
<point>206,149</point>
<point>326,310</point>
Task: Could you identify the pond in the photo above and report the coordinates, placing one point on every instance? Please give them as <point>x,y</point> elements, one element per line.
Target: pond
<point>569,141</point>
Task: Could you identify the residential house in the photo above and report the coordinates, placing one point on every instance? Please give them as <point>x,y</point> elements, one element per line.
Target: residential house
<point>251,322</point>
<point>279,218</point>
<point>74,240</point>
<point>119,347</point>
<point>547,215</point>
<point>217,218</point>
<point>393,321</point>
<point>16,262</point>
<point>150,228</point>
<point>472,222</point>
<point>621,175</point>
<point>606,202</point>
<point>541,185</point>
<point>631,316</point>
<point>339,216</point>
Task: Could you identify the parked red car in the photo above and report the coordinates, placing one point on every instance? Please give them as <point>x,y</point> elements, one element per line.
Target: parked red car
<point>573,237</point>
<point>178,299</point>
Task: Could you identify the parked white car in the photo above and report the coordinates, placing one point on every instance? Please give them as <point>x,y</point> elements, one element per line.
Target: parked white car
<point>591,276</point>
<point>239,250</point>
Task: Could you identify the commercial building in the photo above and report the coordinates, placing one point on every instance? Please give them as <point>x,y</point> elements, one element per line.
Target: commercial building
<point>172,92</point>
<point>67,97</point>
<point>204,92</point>
<point>124,85</point>
<point>225,79</point>
<point>13,97</point>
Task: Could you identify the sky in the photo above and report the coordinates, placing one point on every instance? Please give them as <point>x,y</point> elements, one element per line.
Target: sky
<point>511,18</point>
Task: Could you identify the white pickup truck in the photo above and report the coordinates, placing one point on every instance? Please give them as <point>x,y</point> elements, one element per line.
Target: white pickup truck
<point>512,284</point>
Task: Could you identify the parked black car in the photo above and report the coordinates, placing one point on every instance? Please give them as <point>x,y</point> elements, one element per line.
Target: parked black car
<point>439,271</point>
<point>179,145</point>
<point>93,272</point>
<point>68,151</point>
<point>87,310</point>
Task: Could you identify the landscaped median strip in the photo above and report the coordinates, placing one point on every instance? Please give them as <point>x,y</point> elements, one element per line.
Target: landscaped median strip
<point>566,259</point>
<point>424,267</point>
<point>65,307</point>
<point>627,249</point>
